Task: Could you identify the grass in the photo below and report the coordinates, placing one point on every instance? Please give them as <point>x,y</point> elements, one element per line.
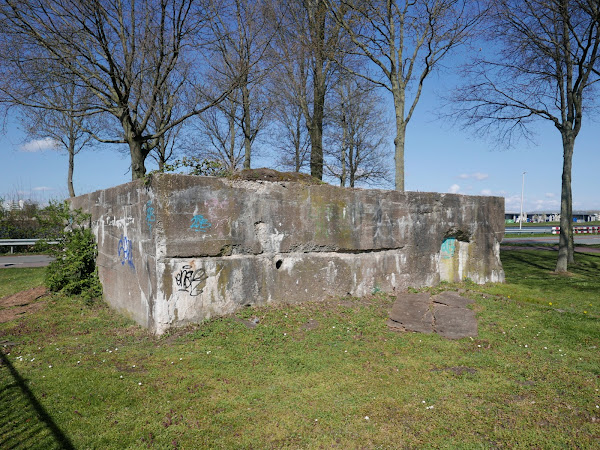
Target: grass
<point>321,374</point>
<point>13,280</point>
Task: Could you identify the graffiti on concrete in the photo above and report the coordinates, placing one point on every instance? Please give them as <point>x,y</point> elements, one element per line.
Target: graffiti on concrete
<point>150,217</point>
<point>125,251</point>
<point>216,214</point>
<point>199,223</point>
<point>448,248</point>
<point>189,280</point>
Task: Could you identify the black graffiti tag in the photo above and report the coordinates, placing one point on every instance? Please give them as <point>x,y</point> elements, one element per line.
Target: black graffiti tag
<point>189,280</point>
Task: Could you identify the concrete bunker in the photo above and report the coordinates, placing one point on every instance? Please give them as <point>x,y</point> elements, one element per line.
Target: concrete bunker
<point>182,249</point>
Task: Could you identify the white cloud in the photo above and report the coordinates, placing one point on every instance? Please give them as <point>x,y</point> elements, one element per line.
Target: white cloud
<point>454,189</point>
<point>475,175</point>
<point>550,195</point>
<point>42,188</point>
<point>39,145</point>
<point>486,192</point>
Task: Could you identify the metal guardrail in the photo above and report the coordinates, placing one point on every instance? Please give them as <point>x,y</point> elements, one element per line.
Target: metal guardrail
<point>551,230</point>
<point>20,242</point>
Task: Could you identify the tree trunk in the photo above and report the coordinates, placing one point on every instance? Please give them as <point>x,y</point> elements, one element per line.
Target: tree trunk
<point>316,131</point>
<point>247,124</point>
<point>297,144</point>
<point>398,94</point>
<point>138,157</point>
<point>565,245</point>
<point>344,145</point>
<point>399,153</point>
<point>319,88</point>
<point>70,171</point>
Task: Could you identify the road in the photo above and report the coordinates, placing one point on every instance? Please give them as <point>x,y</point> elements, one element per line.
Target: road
<point>25,261</point>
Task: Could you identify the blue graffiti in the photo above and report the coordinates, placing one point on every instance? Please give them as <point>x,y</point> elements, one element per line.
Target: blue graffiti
<point>125,251</point>
<point>448,248</point>
<point>199,223</point>
<point>150,217</point>
<point>189,280</point>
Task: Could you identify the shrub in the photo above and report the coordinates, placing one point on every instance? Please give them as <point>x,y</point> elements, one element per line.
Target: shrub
<point>74,270</point>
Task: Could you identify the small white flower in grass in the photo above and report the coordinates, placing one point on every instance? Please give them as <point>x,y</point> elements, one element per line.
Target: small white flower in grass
<point>140,383</point>
<point>366,417</point>
<point>545,348</point>
<point>333,327</point>
<point>50,366</point>
<point>423,402</point>
<point>429,407</point>
<point>133,365</point>
<point>525,345</point>
<point>180,359</point>
<point>285,334</point>
<point>32,359</point>
<point>172,362</point>
<point>208,353</point>
<point>121,377</point>
<point>78,362</point>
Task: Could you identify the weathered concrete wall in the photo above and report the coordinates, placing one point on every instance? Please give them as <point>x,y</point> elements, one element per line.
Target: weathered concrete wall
<point>186,248</point>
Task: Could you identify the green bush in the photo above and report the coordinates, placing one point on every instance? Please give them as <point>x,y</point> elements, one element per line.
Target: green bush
<point>74,270</point>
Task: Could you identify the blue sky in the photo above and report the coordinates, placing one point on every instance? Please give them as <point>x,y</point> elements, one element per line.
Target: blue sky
<point>439,158</point>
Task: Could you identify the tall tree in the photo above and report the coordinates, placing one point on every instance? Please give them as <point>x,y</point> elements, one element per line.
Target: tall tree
<point>288,86</point>
<point>220,137</point>
<point>61,124</point>
<point>243,30</point>
<point>356,134</point>
<point>307,45</point>
<point>542,63</point>
<point>406,40</point>
<point>123,52</point>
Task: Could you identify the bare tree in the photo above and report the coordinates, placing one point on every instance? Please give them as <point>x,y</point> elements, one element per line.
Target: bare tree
<point>288,86</point>
<point>290,136</point>
<point>406,40</point>
<point>61,124</point>
<point>356,134</point>
<point>307,43</point>
<point>163,148</point>
<point>243,30</point>
<point>543,65</point>
<point>220,138</point>
<point>122,52</point>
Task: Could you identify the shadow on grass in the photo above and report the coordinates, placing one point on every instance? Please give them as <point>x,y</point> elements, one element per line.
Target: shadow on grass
<point>24,422</point>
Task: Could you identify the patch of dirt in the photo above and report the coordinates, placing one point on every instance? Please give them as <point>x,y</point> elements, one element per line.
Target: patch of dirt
<point>311,325</point>
<point>24,302</point>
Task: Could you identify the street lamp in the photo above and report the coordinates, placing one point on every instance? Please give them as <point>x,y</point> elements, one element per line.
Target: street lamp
<point>522,193</point>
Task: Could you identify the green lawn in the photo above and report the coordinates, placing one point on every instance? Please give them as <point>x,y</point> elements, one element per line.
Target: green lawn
<point>13,280</point>
<point>326,374</point>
